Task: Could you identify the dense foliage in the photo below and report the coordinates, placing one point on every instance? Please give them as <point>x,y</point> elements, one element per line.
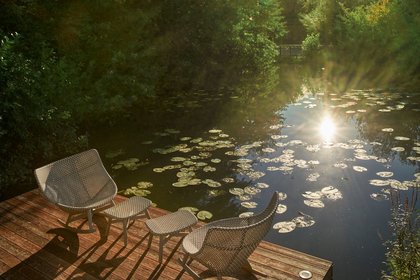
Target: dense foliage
<point>65,66</point>
<point>376,40</point>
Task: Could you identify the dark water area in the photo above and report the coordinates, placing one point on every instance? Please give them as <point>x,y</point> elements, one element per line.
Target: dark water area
<point>334,157</point>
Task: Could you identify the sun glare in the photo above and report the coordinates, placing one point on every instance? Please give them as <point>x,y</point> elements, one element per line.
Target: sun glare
<point>327,129</point>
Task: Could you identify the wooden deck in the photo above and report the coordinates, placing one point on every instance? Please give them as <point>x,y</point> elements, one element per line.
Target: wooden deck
<point>34,245</point>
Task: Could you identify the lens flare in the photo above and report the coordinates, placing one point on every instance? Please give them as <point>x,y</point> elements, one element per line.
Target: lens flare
<point>327,129</point>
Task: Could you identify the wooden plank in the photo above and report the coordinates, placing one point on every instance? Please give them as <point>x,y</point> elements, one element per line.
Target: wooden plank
<point>33,241</point>
<point>45,221</point>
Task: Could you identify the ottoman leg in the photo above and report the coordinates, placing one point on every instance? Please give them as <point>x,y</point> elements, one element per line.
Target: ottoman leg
<point>125,225</point>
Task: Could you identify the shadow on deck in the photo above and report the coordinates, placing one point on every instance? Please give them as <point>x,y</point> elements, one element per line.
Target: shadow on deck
<point>34,245</point>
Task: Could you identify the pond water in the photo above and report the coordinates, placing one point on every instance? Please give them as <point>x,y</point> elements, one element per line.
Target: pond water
<point>334,158</point>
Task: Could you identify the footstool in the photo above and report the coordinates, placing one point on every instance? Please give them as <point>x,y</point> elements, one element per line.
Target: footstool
<point>169,225</point>
<point>131,209</point>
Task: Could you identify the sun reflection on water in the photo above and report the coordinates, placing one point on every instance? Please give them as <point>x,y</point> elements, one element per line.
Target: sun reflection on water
<point>327,129</point>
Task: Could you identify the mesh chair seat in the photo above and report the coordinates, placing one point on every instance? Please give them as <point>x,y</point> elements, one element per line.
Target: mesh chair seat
<point>77,184</point>
<point>169,225</point>
<point>224,246</point>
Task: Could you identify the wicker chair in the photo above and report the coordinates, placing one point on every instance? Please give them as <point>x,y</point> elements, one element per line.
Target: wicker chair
<point>78,184</point>
<point>224,246</point>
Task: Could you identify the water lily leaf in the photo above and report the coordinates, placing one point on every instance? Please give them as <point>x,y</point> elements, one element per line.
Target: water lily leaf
<point>284,227</point>
<point>196,140</point>
<point>401,138</point>
<point>359,168</point>
<point>246,214</point>
<point>189,208</point>
<point>304,221</point>
<point>385,174</point>
<point>158,170</point>
<point>313,177</point>
<point>388,129</point>
<point>398,149</point>
<point>185,138</point>
<point>395,184</point>
<point>176,159</point>
<point>312,195</point>
<point>268,150</point>
<point>379,183</point>
<point>379,196</point>
<point>144,185</point>
<point>282,196</point>
<point>262,185</point>
<point>215,131</point>
<point>180,184</point>
<point>249,204</point>
<point>244,197</point>
<point>236,191</point>
<point>228,180</point>
<point>211,183</point>
<point>252,190</point>
<point>216,160</point>
<point>314,203</point>
<point>204,215</point>
<point>281,208</point>
<point>209,169</point>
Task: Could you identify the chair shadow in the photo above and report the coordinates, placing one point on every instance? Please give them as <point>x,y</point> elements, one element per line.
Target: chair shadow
<point>55,257</point>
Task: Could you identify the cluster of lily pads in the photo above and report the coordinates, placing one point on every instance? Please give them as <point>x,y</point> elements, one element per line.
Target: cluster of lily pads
<point>196,160</point>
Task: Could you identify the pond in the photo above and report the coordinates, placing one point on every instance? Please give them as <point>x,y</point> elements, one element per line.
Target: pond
<point>334,157</point>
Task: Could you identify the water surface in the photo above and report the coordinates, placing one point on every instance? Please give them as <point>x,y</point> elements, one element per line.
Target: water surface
<point>321,150</point>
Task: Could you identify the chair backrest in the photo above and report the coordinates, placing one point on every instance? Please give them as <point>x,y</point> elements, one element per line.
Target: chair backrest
<point>76,181</point>
<point>226,249</point>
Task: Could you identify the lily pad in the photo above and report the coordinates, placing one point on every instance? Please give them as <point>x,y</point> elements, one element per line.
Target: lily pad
<point>315,203</point>
<point>313,177</point>
<point>385,174</point>
<point>284,227</point>
<point>398,149</point>
<point>281,208</point>
<point>228,180</point>
<point>388,129</point>
<point>246,214</point>
<point>262,185</point>
<point>211,183</point>
<point>236,191</point>
<point>144,185</point>
<point>252,190</point>
<point>401,138</point>
<point>189,208</point>
<point>303,221</point>
<point>312,195</point>
<point>359,168</point>
<point>204,215</point>
<point>282,196</point>
<point>249,204</point>
<point>379,196</point>
<point>379,183</point>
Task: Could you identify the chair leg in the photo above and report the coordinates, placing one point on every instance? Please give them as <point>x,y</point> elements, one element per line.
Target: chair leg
<point>161,243</point>
<point>125,228</point>
<point>247,267</point>
<point>90,218</point>
<point>185,265</point>
<point>150,240</point>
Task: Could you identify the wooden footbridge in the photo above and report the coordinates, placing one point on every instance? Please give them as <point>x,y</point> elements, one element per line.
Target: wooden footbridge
<point>34,245</point>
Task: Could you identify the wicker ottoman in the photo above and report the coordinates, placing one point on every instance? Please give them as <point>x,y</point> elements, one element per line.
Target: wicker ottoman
<point>131,209</point>
<point>169,225</point>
